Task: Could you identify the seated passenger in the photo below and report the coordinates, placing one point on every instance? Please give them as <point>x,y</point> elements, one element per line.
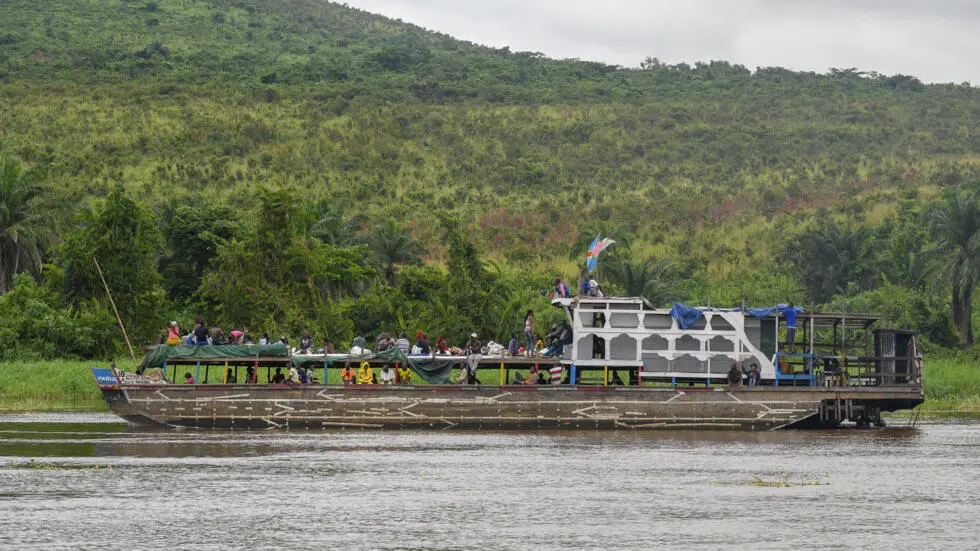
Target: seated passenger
<point>513,348</point>
<point>422,341</point>
<point>293,376</point>
<point>347,374</point>
<point>327,347</point>
<point>753,375</point>
<point>404,375</point>
<point>278,378</point>
<point>305,343</point>
<point>441,346</point>
<point>311,376</point>
<point>387,375</point>
<point>473,345</point>
<point>173,334</point>
<point>304,376</point>
<point>200,334</point>
<point>250,375</point>
<point>402,343</point>
<point>735,375</point>
<point>236,336</point>
<point>365,375</point>
<point>218,336</point>
<point>246,338</point>
<point>230,378</point>
<point>188,379</point>
<point>561,290</point>
<point>264,339</point>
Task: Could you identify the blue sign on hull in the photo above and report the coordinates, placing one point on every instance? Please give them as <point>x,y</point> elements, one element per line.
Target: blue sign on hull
<point>104,376</point>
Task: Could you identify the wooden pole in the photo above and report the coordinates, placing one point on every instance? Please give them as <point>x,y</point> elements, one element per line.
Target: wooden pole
<point>119,319</point>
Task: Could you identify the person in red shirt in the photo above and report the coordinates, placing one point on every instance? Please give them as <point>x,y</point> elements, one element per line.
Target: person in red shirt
<point>188,379</point>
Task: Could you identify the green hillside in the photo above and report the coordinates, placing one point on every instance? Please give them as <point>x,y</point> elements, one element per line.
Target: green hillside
<point>288,164</point>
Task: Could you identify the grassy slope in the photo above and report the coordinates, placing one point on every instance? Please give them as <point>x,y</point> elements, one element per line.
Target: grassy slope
<point>951,386</point>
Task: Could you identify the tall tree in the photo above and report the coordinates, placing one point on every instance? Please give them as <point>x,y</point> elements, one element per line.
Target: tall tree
<point>25,224</point>
<point>831,257</point>
<point>393,246</point>
<point>955,257</point>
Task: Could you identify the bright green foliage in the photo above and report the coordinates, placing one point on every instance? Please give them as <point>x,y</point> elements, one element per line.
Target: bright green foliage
<point>122,236</point>
<point>496,168</point>
<point>956,255</point>
<point>36,323</point>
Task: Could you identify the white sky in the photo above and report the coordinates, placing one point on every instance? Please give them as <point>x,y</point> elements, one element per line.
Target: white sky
<point>936,40</point>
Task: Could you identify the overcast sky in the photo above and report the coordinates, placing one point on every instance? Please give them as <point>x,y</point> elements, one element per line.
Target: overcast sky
<point>937,40</point>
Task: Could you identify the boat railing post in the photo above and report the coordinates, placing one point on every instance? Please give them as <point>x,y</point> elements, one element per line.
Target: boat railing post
<point>224,378</point>
<point>605,375</point>
<point>165,370</point>
<point>502,380</point>
<point>197,373</point>
<point>573,372</point>
<point>326,380</point>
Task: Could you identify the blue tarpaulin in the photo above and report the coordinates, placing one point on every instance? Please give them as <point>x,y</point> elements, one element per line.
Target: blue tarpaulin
<point>687,316</point>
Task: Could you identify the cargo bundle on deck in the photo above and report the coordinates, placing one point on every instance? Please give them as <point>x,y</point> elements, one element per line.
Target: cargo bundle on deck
<point>628,365</point>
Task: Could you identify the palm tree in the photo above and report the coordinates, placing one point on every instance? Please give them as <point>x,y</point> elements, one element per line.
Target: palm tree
<point>650,278</point>
<point>330,226</point>
<point>25,226</point>
<point>831,257</point>
<point>956,255</point>
<point>393,246</point>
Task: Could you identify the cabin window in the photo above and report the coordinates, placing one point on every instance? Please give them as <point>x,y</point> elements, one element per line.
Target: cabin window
<point>620,320</point>
<point>583,348</point>
<point>658,321</point>
<point>699,325</point>
<point>719,323</point>
<point>622,347</point>
<point>720,363</point>
<point>687,342</point>
<point>655,362</point>
<point>688,364</point>
<point>655,342</point>
<point>721,344</point>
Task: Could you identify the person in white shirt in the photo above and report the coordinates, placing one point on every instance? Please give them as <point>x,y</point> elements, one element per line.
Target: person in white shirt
<point>387,376</point>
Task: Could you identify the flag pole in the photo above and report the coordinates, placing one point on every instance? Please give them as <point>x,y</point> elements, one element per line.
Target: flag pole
<point>119,319</point>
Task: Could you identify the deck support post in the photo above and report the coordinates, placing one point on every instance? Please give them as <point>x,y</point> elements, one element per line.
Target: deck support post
<point>197,373</point>
<point>572,375</point>
<point>605,375</point>
<point>165,370</point>
<point>502,380</point>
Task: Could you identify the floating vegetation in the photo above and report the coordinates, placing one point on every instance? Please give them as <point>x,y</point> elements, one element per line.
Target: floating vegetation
<point>784,482</point>
<point>35,465</point>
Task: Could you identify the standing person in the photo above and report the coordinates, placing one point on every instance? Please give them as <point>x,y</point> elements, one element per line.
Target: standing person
<point>529,333</point>
<point>250,375</point>
<point>735,375</point>
<point>561,290</point>
<point>789,312</point>
<point>173,334</point>
<point>754,375</point>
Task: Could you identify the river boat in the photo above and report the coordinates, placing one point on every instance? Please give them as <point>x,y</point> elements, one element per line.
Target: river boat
<point>629,366</point>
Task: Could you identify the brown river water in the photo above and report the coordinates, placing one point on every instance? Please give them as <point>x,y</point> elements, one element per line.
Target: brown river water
<point>95,483</point>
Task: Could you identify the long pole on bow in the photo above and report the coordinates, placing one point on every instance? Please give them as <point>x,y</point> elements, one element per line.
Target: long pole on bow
<point>119,319</point>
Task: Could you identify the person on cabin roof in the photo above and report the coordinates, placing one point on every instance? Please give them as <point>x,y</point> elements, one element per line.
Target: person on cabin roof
<point>789,313</point>
<point>230,378</point>
<point>173,334</point>
<point>236,336</point>
<point>327,347</point>
<point>200,334</point>
<point>384,342</point>
<point>188,379</point>
<point>264,339</point>
<point>753,375</point>
<point>594,289</point>
<point>387,375</point>
<point>441,346</point>
<point>284,340</point>
<point>246,338</point>
<point>512,347</point>
<point>218,336</point>
<point>365,375</point>
<point>305,343</point>
<point>347,374</point>
<point>561,290</point>
<point>404,375</point>
<point>529,332</point>
<point>278,378</point>
<point>473,345</point>
<point>293,376</point>
<point>735,375</point>
<point>422,341</point>
<point>402,343</point>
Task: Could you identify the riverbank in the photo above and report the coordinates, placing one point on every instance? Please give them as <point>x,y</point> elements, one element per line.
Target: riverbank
<point>952,385</point>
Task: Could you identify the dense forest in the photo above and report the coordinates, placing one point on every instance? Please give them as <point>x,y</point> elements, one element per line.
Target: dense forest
<point>296,164</point>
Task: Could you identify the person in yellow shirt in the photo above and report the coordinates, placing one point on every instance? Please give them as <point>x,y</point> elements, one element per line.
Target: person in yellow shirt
<point>365,375</point>
<point>404,375</point>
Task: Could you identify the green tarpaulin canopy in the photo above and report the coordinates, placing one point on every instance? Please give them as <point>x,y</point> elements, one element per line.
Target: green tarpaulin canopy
<point>434,370</point>
<point>165,353</point>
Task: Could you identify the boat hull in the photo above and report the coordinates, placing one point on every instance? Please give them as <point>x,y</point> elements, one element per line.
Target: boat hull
<point>498,407</point>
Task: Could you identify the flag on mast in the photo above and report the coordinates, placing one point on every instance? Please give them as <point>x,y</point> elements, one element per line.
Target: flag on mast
<point>598,245</point>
